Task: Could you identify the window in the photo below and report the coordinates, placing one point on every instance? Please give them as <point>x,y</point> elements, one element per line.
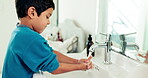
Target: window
<point>123,19</point>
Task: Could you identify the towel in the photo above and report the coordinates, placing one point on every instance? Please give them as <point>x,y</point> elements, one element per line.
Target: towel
<point>69,45</point>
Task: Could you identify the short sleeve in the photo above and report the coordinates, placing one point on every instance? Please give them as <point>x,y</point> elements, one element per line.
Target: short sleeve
<point>39,56</point>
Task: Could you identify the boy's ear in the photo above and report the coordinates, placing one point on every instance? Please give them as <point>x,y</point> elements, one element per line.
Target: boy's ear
<point>32,12</point>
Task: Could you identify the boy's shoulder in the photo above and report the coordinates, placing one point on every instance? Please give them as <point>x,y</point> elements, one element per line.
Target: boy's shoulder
<point>26,33</point>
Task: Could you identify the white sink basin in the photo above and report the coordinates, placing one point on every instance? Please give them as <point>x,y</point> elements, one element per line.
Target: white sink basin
<point>121,67</point>
<point>93,73</point>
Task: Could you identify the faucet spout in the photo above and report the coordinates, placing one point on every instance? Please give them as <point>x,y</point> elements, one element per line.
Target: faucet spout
<point>133,45</point>
<point>107,45</point>
<point>96,45</point>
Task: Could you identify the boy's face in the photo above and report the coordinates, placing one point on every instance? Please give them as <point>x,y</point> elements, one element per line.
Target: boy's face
<point>41,22</point>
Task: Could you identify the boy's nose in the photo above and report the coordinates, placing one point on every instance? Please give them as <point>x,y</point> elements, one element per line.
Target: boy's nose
<point>48,22</point>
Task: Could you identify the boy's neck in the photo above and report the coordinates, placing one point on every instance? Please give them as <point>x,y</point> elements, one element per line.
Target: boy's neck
<point>25,21</point>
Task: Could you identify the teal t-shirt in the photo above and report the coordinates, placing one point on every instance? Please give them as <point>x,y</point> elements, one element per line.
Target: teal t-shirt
<point>27,53</point>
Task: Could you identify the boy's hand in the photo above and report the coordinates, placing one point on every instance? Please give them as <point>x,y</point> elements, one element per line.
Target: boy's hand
<point>146,56</point>
<point>85,60</point>
<point>86,66</point>
<point>87,63</point>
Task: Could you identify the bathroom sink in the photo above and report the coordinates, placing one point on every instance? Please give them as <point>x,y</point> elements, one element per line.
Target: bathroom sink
<point>121,67</point>
<point>93,73</point>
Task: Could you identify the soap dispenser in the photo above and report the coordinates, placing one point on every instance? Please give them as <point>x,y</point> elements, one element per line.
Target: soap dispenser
<point>59,37</point>
<point>89,44</point>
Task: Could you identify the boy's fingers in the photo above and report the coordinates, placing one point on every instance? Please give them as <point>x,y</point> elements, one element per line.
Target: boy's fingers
<point>89,65</point>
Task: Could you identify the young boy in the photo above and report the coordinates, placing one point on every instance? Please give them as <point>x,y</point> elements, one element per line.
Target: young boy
<point>28,52</point>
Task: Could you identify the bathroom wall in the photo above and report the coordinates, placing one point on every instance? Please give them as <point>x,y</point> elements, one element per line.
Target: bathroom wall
<point>82,12</point>
<point>8,20</point>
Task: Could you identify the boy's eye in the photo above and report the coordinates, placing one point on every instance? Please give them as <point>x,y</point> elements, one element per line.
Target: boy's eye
<point>47,17</point>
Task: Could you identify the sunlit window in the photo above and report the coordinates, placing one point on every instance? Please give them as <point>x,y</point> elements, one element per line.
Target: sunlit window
<point>123,18</point>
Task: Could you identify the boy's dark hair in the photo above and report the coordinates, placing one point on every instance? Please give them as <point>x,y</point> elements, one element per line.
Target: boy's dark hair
<point>22,6</point>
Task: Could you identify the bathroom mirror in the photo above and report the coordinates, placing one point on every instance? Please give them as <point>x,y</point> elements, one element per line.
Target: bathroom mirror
<point>116,17</point>
<point>126,18</point>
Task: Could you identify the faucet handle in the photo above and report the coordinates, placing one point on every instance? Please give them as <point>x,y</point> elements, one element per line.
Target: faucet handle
<point>122,36</point>
<point>108,36</point>
<point>103,34</point>
<point>128,34</point>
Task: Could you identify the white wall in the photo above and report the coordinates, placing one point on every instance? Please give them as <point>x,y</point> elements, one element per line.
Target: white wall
<point>145,29</point>
<point>8,21</point>
<point>82,12</point>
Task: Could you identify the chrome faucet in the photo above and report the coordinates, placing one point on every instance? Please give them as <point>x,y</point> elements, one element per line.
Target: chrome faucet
<point>107,45</point>
<point>133,45</point>
<point>124,43</point>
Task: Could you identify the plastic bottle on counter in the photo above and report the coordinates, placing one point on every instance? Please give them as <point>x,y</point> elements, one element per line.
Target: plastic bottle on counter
<point>89,44</point>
